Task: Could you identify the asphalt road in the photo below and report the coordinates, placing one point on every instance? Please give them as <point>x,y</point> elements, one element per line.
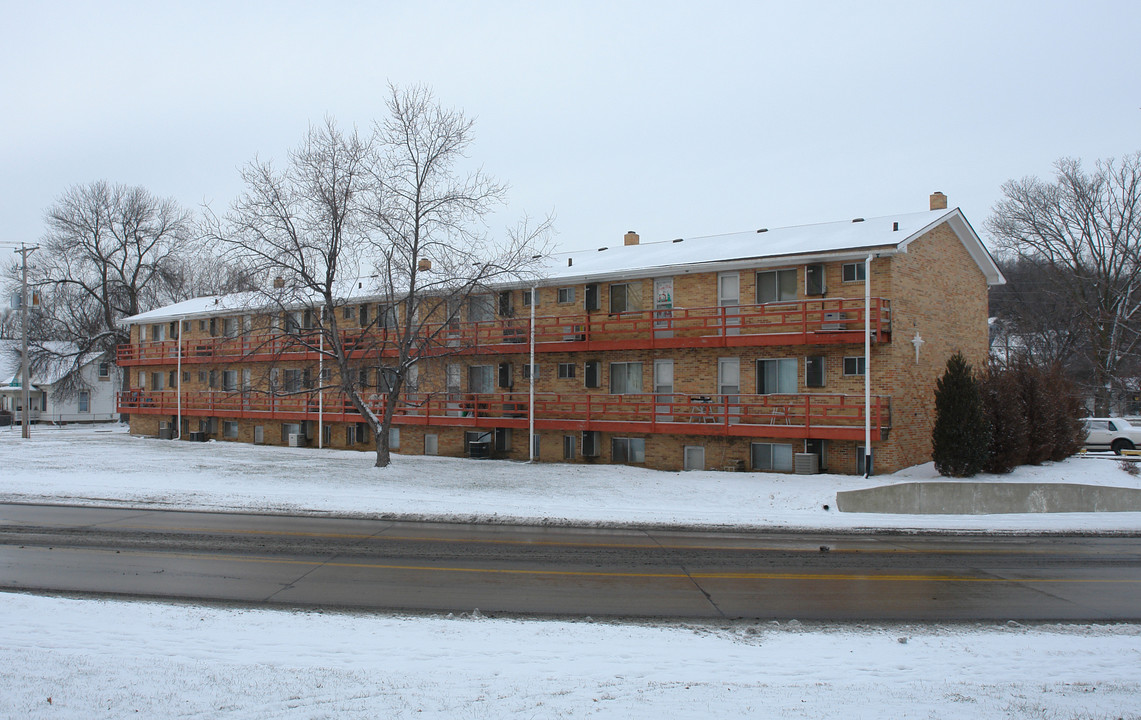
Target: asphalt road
<point>381,564</point>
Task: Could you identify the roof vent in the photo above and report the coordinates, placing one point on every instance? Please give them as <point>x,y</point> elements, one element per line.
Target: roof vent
<point>602,248</point>
<point>857,219</point>
<point>763,230</point>
<point>536,257</point>
<point>570,261</point>
<point>895,227</point>
<point>630,238</point>
<point>679,240</point>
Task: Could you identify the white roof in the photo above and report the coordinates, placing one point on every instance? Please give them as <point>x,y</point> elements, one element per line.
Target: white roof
<point>756,247</point>
<point>10,367</point>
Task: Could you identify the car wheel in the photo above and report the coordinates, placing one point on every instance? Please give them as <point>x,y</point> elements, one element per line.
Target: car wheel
<point>1119,445</point>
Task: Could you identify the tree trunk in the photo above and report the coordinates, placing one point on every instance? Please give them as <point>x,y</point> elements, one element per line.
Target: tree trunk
<point>383,454</point>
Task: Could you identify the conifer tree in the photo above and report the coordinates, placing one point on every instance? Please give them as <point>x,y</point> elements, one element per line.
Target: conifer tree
<point>961,438</point>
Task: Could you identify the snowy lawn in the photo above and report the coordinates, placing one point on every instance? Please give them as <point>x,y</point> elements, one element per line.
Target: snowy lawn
<point>101,466</point>
<point>92,658</point>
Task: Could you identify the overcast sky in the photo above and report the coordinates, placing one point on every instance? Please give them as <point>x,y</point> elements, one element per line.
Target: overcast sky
<point>671,119</point>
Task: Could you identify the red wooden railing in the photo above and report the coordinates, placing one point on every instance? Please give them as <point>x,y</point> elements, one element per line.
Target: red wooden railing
<point>785,323</point>
<point>817,415</point>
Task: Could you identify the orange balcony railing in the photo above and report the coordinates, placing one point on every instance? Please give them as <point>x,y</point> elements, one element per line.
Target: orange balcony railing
<point>820,322</point>
<point>800,415</point>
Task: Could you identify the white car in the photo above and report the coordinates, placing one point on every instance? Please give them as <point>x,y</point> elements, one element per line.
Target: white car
<point>1114,434</point>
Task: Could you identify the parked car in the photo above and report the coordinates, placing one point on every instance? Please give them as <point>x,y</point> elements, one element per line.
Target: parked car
<point>1114,434</point>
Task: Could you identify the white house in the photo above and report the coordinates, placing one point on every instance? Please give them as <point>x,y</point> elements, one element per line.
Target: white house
<point>95,402</point>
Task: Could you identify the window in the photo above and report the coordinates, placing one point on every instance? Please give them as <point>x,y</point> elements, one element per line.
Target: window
<point>84,401</point>
<point>230,429</point>
<point>393,438</point>
<point>351,435</point>
<point>566,295</point>
<point>566,371</point>
<point>214,379</point>
<point>480,309</point>
<point>201,326</point>
<point>527,370</point>
<point>348,312</point>
<point>185,376</point>
<point>527,297</point>
<point>569,447</point>
<point>728,289</point>
<point>230,380</point>
<point>364,315</point>
<point>625,297</point>
<point>535,445</point>
<point>203,377</point>
<point>772,456</point>
<point>104,369</point>
<point>158,332</point>
<point>185,326</point>
<point>431,444</point>
<point>854,366</point>
<point>853,272</point>
<point>291,380</point>
<point>480,378</point>
<point>503,439</point>
<point>776,376</point>
<point>628,450</point>
<point>776,286</point>
<point>157,381</point>
<point>625,378</point>
<point>814,371</point>
<point>861,461</point>
<point>230,327</point>
<point>386,317</point>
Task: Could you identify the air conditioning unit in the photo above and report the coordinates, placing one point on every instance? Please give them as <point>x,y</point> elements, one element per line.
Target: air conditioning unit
<point>806,463</point>
<point>832,321</point>
<point>296,440</point>
<point>197,436</point>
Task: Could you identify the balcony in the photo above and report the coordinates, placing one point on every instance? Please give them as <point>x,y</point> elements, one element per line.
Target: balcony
<point>802,322</point>
<point>836,417</point>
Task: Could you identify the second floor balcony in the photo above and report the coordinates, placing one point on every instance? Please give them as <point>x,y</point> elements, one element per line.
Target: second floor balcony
<point>802,322</point>
<point>809,415</point>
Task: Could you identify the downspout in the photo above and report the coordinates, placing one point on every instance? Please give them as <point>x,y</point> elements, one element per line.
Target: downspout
<point>531,385</point>
<point>178,378</point>
<point>868,366</point>
<point>320,386</point>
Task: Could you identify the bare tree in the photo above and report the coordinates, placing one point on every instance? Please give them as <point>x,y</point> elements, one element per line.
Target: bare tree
<point>387,217</point>
<point>109,252</point>
<point>1086,228</point>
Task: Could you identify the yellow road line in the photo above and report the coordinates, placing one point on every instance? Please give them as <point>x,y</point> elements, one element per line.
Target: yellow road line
<point>593,573</point>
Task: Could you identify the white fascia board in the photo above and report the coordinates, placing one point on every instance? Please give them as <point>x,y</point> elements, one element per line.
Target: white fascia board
<point>971,242</point>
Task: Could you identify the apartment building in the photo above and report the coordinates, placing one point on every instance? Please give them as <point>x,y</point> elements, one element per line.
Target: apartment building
<point>738,352</point>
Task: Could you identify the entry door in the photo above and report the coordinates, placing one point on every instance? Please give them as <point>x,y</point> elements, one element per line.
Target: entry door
<point>729,386</point>
<point>663,307</point>
<point>729,299</point>
<point>694,457</point>
<point>663,389</point>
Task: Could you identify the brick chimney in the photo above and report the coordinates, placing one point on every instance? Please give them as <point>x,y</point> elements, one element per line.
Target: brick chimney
<point>631,238</point>
<point>279,282</point>
<point>424,265</point>
<point>938,201</point>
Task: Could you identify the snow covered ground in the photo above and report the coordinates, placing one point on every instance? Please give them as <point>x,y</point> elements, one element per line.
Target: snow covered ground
<point>69,658</point>
<point>101,466</point>
<point>94,658</point>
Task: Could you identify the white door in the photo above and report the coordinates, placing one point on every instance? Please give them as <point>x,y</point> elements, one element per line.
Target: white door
<point>729,299</point>
<point>694,458</point>
<point>729,386</point>
<point>663,388</point>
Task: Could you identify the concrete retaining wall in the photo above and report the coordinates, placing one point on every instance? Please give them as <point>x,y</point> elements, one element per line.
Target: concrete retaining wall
<point>978,498</point>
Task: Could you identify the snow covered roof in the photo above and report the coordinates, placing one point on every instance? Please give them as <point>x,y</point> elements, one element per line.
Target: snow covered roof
<point>776,246</point>
<point>55,370</point>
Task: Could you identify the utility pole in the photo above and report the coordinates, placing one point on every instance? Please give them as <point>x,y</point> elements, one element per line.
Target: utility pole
<point>25,379</point>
